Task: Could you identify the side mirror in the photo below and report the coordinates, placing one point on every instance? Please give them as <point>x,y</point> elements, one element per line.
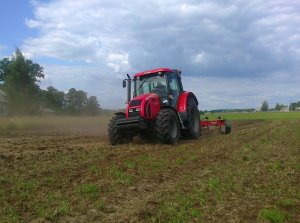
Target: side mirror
<point>124,83</point>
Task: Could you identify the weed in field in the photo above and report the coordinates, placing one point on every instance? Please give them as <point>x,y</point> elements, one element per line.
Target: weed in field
<point>44,212</point>
<point>100,204</point>
<point>64,206</point>
<point>179,161</point>
<point>144,158</point>
<point>25,189</point>
<point>11,213</point>
<point>181,209</point>
<point>276,166</point>
<point>89,190</point>
<point>193,157</point>
<point>93,169</point>
<point>50,181</point>
<point>157,164</point>
<point>273,215</point>
<point>288,202</point>
<point>202,197</point>
<point>130,164</point>
<point>121,176</point>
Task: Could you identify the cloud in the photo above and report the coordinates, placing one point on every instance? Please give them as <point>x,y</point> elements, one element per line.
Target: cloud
<point>232,42</point>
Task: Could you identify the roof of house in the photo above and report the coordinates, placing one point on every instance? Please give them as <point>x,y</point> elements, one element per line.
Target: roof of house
<point>3,97</point>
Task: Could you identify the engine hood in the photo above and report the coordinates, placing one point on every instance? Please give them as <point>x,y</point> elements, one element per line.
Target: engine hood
<point>146,106</point>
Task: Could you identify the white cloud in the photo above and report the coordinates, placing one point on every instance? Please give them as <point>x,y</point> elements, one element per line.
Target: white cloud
<point>233,42</point>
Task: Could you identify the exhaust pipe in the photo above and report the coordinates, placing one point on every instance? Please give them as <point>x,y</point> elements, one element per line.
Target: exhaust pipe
<point>128,89</point>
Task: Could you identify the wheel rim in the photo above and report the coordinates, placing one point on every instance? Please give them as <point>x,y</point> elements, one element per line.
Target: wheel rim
<point>195,121</point>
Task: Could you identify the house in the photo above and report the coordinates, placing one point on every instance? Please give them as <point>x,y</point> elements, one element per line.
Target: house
<point>285,109</point>
<point>3,104</point>
<point>46,111</point>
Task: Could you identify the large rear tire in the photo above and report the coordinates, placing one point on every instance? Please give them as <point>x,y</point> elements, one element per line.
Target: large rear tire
<point>167,128</point>
<point>193,128</point>
<point>114,134</point>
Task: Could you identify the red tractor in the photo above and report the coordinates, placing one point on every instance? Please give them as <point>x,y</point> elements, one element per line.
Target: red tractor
<point>160,109</point>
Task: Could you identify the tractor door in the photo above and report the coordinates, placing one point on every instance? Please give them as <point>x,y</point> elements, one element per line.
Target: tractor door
<point>175,88</point>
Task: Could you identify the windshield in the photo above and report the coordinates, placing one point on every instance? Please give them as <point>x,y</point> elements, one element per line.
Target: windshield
<point>151,84</point>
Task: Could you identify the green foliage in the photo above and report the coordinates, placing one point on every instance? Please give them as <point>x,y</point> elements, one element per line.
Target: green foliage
<point>273,215</point>
<point>264,106</point>
<point>53,99</point>
<point>294,105</point>
<point>288,202</point>
<point>278,107</point>
<point>4,64</point>
<point>92,107</point>
<point>89,190</point>
<point>20,77</point>
<point>76,101</point>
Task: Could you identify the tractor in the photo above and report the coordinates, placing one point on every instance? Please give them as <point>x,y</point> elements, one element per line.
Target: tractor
<point>160,109</point>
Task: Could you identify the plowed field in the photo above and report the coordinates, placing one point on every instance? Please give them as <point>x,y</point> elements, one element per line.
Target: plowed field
<point>251,175</point>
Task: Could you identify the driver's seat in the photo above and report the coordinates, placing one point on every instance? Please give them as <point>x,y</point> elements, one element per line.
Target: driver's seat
<point>161,89</point>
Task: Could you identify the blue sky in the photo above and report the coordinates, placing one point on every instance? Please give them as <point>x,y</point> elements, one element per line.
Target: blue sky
<point>13,28</point>
<point>233,54</point>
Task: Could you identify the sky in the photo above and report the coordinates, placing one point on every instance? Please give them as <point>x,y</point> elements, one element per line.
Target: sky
<point>232,53</point>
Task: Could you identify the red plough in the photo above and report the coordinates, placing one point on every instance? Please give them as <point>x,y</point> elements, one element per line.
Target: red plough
<point>225,127</point>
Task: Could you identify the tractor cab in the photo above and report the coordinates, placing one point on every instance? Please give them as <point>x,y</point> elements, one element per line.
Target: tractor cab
<point>163,82</point>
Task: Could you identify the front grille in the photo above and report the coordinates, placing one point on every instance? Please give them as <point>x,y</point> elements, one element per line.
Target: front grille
<point>134,103</point>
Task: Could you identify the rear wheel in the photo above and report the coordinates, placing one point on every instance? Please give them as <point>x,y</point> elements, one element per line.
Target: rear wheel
<point>167,127</point>
<point>193,129</point>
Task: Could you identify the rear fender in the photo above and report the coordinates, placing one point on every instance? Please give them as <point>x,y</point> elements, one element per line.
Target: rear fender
<point>182,104</point>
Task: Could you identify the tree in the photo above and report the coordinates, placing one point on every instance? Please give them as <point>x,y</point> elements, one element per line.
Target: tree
<point>92,107</point>
<point>54,99</point>
<point>20,77</point>
<point>278,107</point>
<point>294,105</point>
<point>76,101</point>
<point>264,106</point>
<point>4,64</point>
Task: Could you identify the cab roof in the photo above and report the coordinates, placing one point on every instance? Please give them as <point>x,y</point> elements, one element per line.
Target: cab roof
<point>152,71</point>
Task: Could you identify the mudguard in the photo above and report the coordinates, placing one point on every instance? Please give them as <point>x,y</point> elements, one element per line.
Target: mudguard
<point>182,104</point>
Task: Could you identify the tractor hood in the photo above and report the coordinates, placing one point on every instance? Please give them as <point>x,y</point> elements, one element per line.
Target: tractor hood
<point>146,106</point>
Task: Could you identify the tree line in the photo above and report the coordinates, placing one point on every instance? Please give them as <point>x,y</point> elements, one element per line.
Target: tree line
<point>19,78</point>
<point>292,107</point>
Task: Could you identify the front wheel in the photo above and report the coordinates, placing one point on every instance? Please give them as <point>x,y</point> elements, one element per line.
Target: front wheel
<point>167,126</point>
<point>114,134</point>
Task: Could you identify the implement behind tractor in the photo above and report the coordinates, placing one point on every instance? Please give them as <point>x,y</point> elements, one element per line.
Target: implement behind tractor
<point>224,126</point>
<point>160,109</point>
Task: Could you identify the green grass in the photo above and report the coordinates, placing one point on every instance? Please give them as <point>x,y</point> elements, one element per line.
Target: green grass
<point>273,215</point>
<point>256,116</point>
<point>89,190</point>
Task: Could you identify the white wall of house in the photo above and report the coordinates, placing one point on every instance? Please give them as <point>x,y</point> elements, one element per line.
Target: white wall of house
<point>3,104</point>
